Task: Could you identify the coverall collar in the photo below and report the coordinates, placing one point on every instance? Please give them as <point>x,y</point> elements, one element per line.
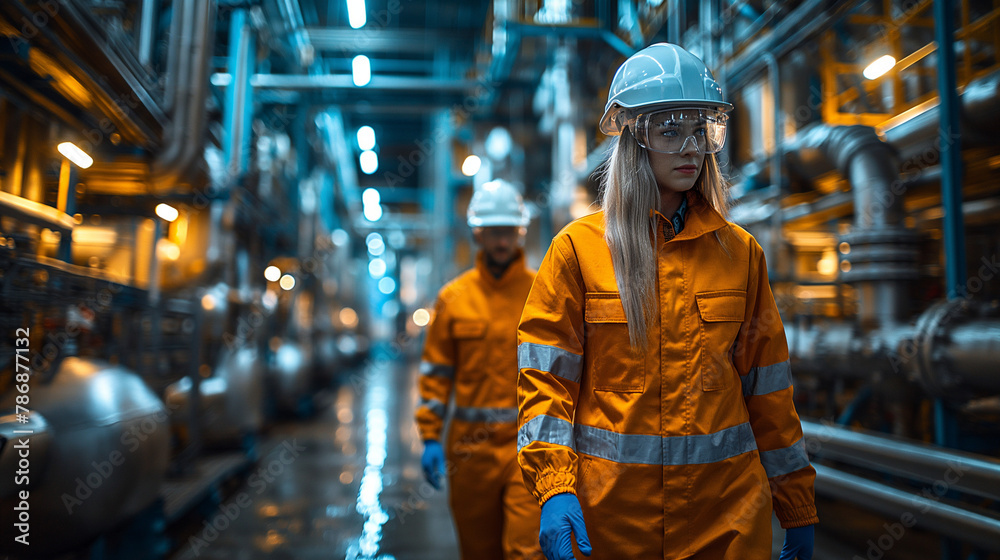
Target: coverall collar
<point>697,219</point>
<point>515,267</point>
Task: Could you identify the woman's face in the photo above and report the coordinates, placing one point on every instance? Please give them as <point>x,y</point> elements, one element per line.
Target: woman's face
<point>677,172</point>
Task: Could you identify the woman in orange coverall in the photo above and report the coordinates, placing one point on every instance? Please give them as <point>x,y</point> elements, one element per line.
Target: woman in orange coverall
<point>470,351</point>
<point>655,396</point>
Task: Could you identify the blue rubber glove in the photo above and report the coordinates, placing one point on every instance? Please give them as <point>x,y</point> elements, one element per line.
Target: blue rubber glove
<point>799,543</point>
<point>561,515</point>
<point>433,462</point>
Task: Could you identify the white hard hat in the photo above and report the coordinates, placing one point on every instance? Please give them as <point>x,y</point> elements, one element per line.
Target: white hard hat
<point>497,203</point>
<point>663,75</point>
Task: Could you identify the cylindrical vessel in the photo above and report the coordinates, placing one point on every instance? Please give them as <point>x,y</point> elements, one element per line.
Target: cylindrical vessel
<point>105,461</point>
<point>231,400</point>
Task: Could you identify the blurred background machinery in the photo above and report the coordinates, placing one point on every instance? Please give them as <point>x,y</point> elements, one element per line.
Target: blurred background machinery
<point>213,211</point>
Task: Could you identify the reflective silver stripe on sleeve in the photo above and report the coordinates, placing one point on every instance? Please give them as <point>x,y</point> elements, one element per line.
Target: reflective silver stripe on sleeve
<point>491,415</point>
<point>672,450</point>
<point>767,379</point>
<point>550,359</point>
<point>548,429</point>
<point>441,370</point>
<point>784,461</point>
<point>435,406</point>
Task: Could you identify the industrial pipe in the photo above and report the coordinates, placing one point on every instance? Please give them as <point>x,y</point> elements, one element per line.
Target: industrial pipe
<point>882,254</point>
<point>910,509</point>
<point>185,134</point>
<point>965,472</point>
<point>950,138</point>
<point>918,134</point>
<point>146,24</point>
<point>239,95</point>
<point>74,42</point>
<point>951,350</point>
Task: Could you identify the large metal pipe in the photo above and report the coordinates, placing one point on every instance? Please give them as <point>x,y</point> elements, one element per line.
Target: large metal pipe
<point>291,12</point>
<point>186,133</point>
<point>950,138</point>
<point>954,350</point>
<point>882,253</point>
<point>972,527</point>
<point>966,472</point>
<point>72,40</point>
<point>146,24</point>
<point>974,349</point>
<point>917,136</point>
<point>777,257</point>
<point>951,350</point>
<point>239,104</point>
<point>861,156</point>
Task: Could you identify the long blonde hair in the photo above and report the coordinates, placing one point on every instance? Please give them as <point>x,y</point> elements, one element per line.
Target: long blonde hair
<point>629,192</point>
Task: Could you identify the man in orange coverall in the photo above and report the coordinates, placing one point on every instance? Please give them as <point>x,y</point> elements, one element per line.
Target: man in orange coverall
<point>471,351</point>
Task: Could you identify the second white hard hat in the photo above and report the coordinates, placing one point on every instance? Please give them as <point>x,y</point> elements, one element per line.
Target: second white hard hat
<point>497,203</point>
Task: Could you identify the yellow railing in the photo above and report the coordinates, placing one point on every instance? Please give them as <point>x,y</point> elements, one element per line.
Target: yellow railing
<point>840,85</point>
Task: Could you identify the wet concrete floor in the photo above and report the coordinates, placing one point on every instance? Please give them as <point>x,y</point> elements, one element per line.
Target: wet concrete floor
<point>347,484</point>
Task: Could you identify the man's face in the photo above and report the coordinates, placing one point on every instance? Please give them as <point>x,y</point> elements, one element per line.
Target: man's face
<point>499,243</point>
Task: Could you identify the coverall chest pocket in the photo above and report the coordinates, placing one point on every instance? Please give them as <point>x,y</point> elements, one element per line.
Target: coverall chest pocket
<point>721,317</point>
<point>609,359</point>
<point>470,345</point>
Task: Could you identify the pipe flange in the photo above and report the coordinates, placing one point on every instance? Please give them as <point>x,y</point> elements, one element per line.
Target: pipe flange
<point>872,272</point>
<point>931,331</point>
<point>885,254</point>
<point>893,236</point>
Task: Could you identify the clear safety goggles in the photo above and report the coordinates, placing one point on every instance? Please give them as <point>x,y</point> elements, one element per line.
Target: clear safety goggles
<point>674,131</point>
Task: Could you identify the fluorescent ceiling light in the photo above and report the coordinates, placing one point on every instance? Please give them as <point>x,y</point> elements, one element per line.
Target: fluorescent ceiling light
<point>75,154</point>
<point>386,285</point>
<point>471,165</point>
<point>362,68</point>
<point>879,67</point>
<point>371,197</point>
<point>366,138</point>
<point>369,162</point>
<point>373,212</point>
<point>376,268</point>
<point>167,212</point>
<point>420,317</point>
<point>356,13</point>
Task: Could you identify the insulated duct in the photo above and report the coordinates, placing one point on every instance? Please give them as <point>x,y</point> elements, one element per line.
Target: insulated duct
<point>192,33</point>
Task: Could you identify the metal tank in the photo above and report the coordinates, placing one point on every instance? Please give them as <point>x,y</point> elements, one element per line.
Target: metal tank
<point>103,449</point>
<point>231,400</point>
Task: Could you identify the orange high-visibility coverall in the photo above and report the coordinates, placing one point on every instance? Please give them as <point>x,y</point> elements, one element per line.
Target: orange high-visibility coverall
<point>677,450</point>
<point>471,349</point>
